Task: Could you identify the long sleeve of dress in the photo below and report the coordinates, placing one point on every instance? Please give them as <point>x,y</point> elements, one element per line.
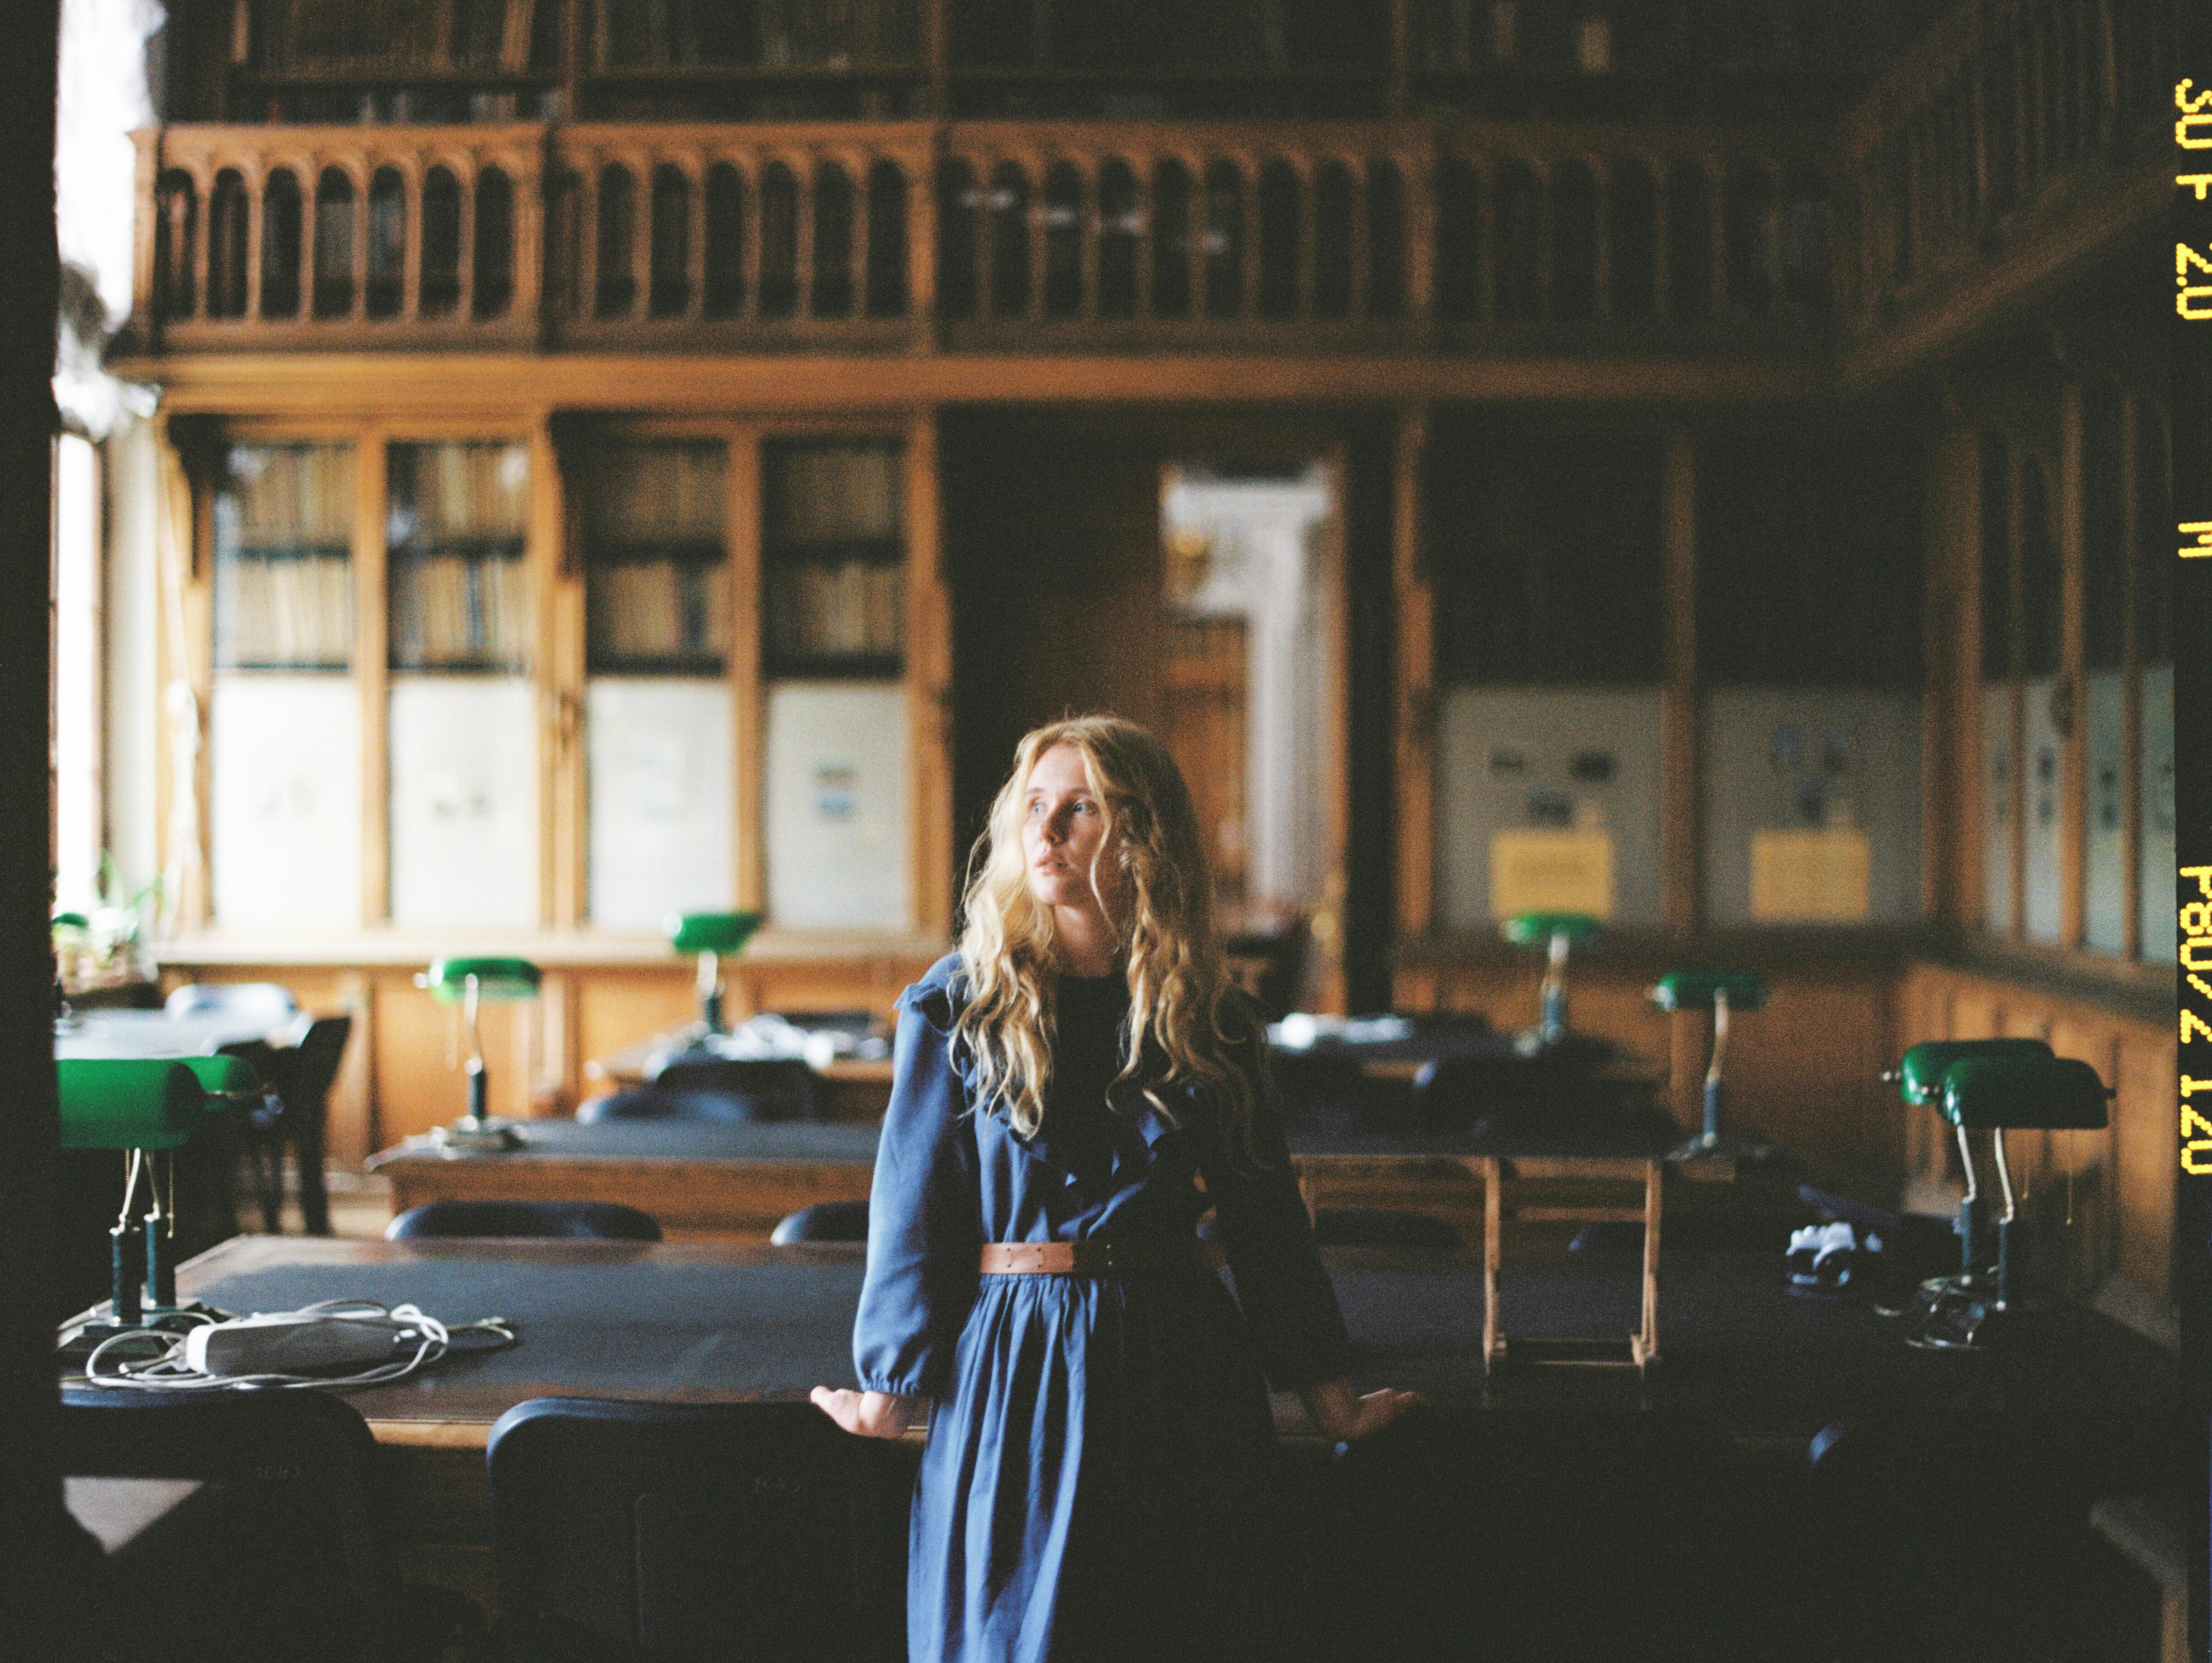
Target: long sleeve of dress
<point>1281,1284</point>
<point>924,1213</point>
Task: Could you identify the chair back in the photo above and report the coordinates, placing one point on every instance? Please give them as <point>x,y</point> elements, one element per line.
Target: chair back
<point>1963,1533</point>
<point>315,1064</point>
<point>826,1221</point>
<point>277,1558</point>
<point>774,1088</point>
<point>725,1531</point>
<point>259,1001</point>
<point>1584,1534</point>
<point>574,1221</point>
<point>654,1102</point>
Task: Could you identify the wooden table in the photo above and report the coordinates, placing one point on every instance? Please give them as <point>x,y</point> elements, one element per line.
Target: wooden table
<point>742,1322</point>
<point>699,1180</point>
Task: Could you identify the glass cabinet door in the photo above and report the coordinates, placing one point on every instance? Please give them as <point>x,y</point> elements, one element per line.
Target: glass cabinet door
<point>463,726</point>
<point>661,751</point>
<point>284,717</point>
<point>836,797</point>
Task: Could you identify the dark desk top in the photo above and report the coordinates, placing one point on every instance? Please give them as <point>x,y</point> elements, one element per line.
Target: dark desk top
<point>801,1141</point>
<point>1637,1135</point>
<point>744,1320</point>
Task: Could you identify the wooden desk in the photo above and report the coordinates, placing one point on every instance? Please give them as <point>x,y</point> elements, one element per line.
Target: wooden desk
<point>848,1089</point>
<point>705,1182</point>
<point>700,1181</point>
<point>740,1322</point>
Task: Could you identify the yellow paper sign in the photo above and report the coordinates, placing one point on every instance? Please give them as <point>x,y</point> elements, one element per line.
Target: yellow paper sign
<point>1551,871</point>
<point>1809,877</point>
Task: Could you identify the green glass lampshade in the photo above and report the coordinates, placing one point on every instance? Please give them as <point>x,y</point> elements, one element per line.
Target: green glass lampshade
<point>1695,990</point>
<point>2047,1094</point>
<point>720,933</point>
<point>1920,1075</point>
<point>496,978</point>
<point>1534,929</point>
<point>135,1102</point>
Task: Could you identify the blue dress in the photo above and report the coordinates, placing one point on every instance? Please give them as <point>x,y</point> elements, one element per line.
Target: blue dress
<point>1099,1481</point>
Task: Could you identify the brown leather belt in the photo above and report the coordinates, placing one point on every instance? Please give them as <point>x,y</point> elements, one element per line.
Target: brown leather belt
<point>1094,1257</point>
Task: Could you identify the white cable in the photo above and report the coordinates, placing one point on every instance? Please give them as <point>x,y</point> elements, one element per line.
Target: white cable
<point>166,1370</point>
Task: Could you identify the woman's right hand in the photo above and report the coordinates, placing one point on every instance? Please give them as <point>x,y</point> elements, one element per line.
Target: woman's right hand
<point>868,1414</point>
<point>1341,1416</point>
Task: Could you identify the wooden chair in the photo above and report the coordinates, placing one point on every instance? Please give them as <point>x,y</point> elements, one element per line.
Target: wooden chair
<point>585,1221</point>
<point>722,1530</point>
<point>300,1081</point>
<point>279,1557</point>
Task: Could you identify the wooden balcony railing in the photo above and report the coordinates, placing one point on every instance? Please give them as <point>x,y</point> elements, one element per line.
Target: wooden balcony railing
<point>2008,115</point>
<point>913,236</point>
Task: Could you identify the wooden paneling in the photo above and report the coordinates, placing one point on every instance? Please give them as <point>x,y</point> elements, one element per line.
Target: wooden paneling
<point>418,1049</point>
<point>615,1010</point>
<point>1804,1072</point>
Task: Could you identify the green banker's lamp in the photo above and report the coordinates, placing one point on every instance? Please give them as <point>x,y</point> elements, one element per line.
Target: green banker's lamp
<point>713,937</point>
<point>1558,931</point>
<point>1918,1078</point>
<point>147,1108</point>
<point>469,982</point>
<point>1720,991</point>
<point>1995,1094</point>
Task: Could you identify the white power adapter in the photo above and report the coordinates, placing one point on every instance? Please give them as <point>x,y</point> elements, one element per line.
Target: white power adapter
<point>289,1342</point>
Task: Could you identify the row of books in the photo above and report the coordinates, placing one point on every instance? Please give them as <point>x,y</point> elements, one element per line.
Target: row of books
<point>833,493</point>
<point>294,610</point>
<point>287,495</point>
<point>460,490</point>
<point>661,609</point>
<point>659,493</point>
<point>820,609</point>
<point>448,610</point>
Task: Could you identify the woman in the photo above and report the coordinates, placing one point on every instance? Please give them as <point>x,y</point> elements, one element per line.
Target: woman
<point>1096,1482</point>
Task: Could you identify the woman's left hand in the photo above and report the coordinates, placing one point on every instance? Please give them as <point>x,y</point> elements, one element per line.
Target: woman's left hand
<point>1341,1416</point>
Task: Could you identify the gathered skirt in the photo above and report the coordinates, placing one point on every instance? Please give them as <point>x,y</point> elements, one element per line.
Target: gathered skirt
<point>1101,1483</point>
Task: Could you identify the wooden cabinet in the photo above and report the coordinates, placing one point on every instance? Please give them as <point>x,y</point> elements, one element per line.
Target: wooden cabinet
<point>531,685</point>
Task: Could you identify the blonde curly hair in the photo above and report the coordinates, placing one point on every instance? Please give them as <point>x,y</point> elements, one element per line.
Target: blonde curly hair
<point>1180,1029</point>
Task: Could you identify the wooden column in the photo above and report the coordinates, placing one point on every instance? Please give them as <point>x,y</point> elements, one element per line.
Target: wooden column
<point>256,187</point>
<point>1417,697</point>
<point>695,233</point>
<point>921,245</point>
<point>2132,487</point>
<point>412,180</point>
<point>465,256</point>
<point>642,180</point>
<point>1397,95</point>
<point>751,727</point>
<point>1681,765</point>
<point>1417,179</point>
<point>557,582</point>
<point>929,687</point>
<point>2016,691</point>
<point>534,171</point>
<point>145,313</point>
<point>371,650</point>
<point>2073,764</point>
<point>935,56</point>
